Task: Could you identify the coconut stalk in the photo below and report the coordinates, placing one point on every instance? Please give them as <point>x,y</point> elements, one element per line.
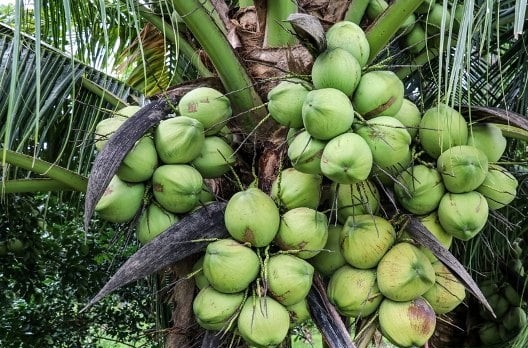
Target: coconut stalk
<point>388,23</point>
<point>234,77</point>
<point>61,175</point>
<point>174,36</point>
<point>356,10</point>
<point>103,93</point>
<point>278,32</point>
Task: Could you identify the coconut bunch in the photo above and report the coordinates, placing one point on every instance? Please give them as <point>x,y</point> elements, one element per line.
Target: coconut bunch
<point>166,168</point>
<point>256,281</point>
<point>510,310</point>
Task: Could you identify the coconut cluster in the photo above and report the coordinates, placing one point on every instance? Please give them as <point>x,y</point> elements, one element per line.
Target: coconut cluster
<point>353,134</point>
<point>166,169</point>
<point>258,279</point>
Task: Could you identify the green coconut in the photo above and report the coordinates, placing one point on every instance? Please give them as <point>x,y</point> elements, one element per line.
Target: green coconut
<point>336,68</point>
<point>447,292</point>
<point>387,175</point>
<point>214,310</point>
<point>215,159</point>
<point>419,189</point>
<point>365,239</point>
<point>387,138</point>
<point>177,187</point>
<point>488,138</point>
<point>404,273</point>
<point>305,153</point>
<point>354,291</point>
<point>515,319</point>
<point>208,106</point>
<point>206,194</point>
<point>263,322</point>
<point>15,245</point>
<point>199,278</point>
<point>105,129</point>
<point>126,112</point>
<point>442,127</point>
<point>356,199</point>
<point>294,189</point>
<point>463,168</point>
<point>415,40</point>
<point>327,113</point>
<point>407,25</point>
<point>432,224</point>
<point>378,93</point>
<point>285,103</point>
<point>179,139</point>
<point>330,258</point>
<point>140,162</point>
<point>499,187</point>
<point>408,323</point>
<point>376,8</point>
<point>463,215</point>
<point>347,159</point>
<point>120,201</point>
<point>299,313</point>
<point>499,304</point>
<point>252,217</point>
<point>410,116</point>
<point>349,36</point>
<point>289,278</point>
<point>435,17</point>
<point>424,6</point>
<point>153,221</point>
<point>304,231</point>
<point>230,266</point>
<point>489,334</point>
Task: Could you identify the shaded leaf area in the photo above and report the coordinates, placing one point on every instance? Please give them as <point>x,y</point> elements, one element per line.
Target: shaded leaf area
<point>420,233</point>
<point>326,317</point>
<point>187,237</point>
<point>67,110</point>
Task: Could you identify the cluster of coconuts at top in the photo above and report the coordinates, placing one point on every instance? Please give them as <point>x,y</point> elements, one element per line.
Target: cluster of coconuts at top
<point>350,131</point>
<point>174,160</point>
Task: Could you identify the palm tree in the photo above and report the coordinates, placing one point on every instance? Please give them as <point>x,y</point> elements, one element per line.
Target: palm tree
<point>155,49</point>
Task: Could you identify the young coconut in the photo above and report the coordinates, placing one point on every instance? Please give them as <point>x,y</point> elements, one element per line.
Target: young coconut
<point>153,221</point>
<point>330,258</point>
<point>120,201</point>
<point>289,278</point>
<point>435,17</point>
<point>387,138</point>
<point>285,103</point>
<point>378,93</point>
<point>365,239</point>
<point>327,113</point>
<point>105,129</point>
<point>294,189</point>
<point>354,291</point>
<point>347,159</point>
<point>299,313</point>
<point>447,292</point>
<point>263,322</point>
<point>140,162</point>
<point>252,217</point>
<point>432,224</point>
<point>404,273</point>
<point>179,139</point>
<point>419,189</point>
<point>407,324</point>
<point>208,106</point>
<point>199,278</point>
<point>463,168</point>
<point>305,153</point>
<point>177,187</point>
<point>214,310</point>
<point>410,116</point>
<point>499,187</point>
<point>376,8</point>
<point>336,68</point>
<point>442,127</point>
<point>488,138</point>
<point>350,37</point>
<point>126,112</point>
<point>463,215</point>
<point>415,40</point>
<point>355,199</point>
<point>304,230</point>
<point>230,266</point>
<point>387,175</point>
<point>215,159</point>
